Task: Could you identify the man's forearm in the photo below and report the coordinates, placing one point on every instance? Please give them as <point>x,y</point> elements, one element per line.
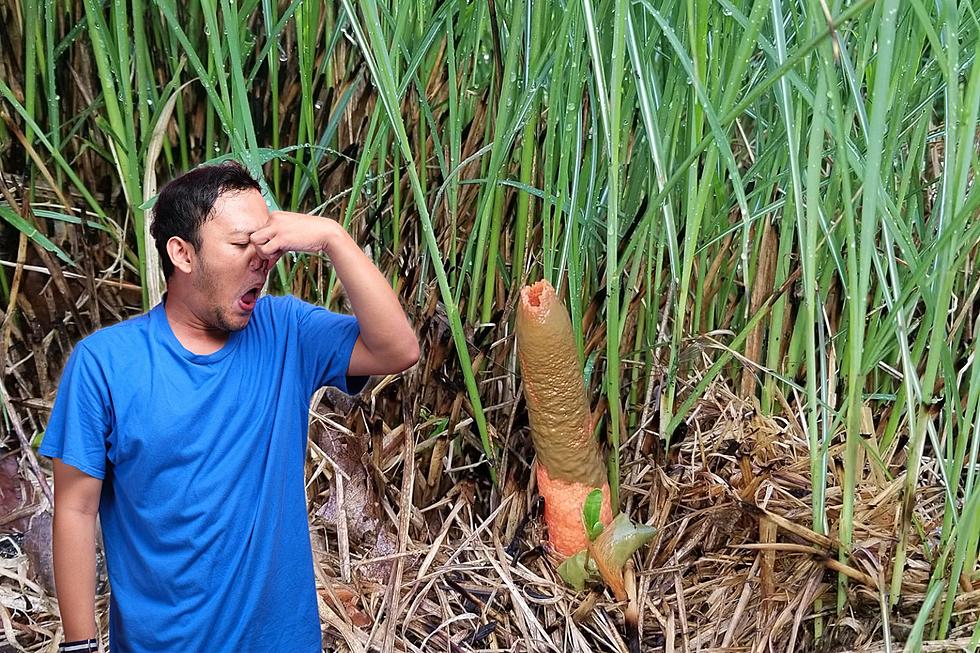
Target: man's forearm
<point>384,327</point>
<point>73,535</point>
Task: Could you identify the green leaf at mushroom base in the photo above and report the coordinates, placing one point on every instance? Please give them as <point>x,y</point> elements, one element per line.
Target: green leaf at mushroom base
<point>607,555</point>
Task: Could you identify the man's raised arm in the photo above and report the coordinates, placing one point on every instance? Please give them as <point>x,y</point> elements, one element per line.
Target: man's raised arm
<point>387,343</point>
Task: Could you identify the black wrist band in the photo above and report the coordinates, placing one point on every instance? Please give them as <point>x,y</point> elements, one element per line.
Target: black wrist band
<point>79,646</point>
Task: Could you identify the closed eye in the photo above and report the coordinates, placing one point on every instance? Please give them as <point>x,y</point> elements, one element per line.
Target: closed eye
<point>240,244</point>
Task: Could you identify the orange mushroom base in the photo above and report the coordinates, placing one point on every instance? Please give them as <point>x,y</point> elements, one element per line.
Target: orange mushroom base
<point>563,501</point>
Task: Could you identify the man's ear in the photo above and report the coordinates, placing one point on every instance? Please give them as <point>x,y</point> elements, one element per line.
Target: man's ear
<point>181,254</point>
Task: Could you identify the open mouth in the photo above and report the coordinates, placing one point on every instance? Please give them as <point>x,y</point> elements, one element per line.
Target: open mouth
<point>247,301</point>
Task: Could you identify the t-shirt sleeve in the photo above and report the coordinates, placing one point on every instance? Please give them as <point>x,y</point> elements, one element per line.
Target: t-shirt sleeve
<point>326,341</point>
<point>81,418</point>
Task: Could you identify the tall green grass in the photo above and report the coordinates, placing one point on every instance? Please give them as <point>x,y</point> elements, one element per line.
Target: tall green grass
<point>788,188</point>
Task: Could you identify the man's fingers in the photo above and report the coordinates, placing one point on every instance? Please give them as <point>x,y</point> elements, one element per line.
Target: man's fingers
<point>261,236</point>
<point>268,249</point>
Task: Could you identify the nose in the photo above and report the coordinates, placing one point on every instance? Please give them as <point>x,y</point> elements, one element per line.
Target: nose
<point>258,264</point>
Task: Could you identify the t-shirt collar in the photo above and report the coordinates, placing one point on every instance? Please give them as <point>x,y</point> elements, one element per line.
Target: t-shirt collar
<point>165,335</point>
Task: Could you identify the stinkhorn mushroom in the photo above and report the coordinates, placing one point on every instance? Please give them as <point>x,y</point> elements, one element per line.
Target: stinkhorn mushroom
<point>570,464</point>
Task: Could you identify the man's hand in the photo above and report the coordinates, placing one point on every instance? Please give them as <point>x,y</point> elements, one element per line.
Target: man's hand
<point>292,232</point>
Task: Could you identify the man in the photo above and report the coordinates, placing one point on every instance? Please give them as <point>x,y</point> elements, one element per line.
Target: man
<point>185,430</point>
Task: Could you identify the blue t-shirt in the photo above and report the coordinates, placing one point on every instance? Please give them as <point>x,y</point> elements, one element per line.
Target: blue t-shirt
<point>203,505</point>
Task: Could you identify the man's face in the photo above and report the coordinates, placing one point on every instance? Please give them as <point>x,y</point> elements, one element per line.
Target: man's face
<point>228,267</point>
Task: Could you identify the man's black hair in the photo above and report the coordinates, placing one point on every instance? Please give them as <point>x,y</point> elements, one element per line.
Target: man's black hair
<point>185,204</point>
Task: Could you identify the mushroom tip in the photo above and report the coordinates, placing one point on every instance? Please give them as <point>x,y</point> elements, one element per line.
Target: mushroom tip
<point>537,295</point>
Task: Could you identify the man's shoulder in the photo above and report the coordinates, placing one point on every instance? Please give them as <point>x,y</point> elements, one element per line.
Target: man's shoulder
<point>285,304</point>
<point>292,310</point>
<point>291,302</point>
<point>112,337</point>
<point>278,300</point>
